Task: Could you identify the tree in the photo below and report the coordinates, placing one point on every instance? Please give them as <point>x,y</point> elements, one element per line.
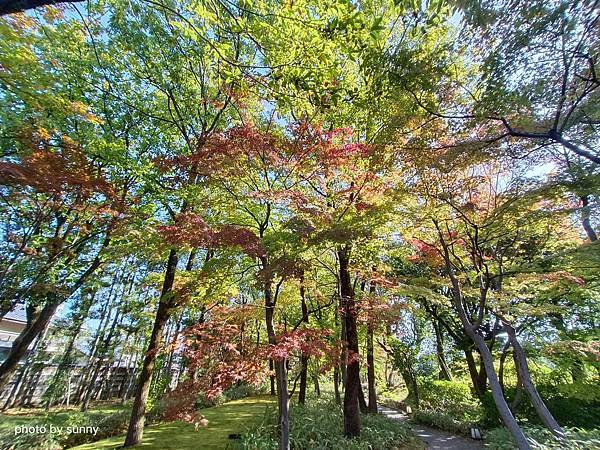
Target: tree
<point>478,236</point>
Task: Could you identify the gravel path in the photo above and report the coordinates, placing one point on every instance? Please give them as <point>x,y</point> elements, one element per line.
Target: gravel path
<point>435,439</point>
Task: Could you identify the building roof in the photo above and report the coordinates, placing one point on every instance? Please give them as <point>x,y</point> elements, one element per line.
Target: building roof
<point>17,314</point>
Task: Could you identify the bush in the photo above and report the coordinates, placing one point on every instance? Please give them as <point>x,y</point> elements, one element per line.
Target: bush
<point>156,414</point>
<point>441,421</point>
<point>574,405</point>
<point>241,390</point>
<point>319,425</point>
<point>46,441</point>
<point>453,398</point>
<point>449,405</point>
<point>108,426</point>
<point>542,439</point>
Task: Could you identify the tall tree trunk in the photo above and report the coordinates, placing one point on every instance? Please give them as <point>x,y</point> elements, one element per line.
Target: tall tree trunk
<point>103,320</point>
<point>336,385</point>
<point>502,364</point>
<point>36,324</point>
<point>272,390</point>
<point>585,218</point>
<point>16,393</point>
<point>351,391</point>
<point>371,372</point>
<point>93,389</point>
<point>280,369</point>
<point>138,412</point>
<point>362,401</point>
<point>485,354</point>
<point>444,373</point>
<point>172,348</point>
<point>316,379</point>
<point>303,357</point>
<point>410,381</point>
<point>131,370</point>
<point>505,413</point>
<point>372,408</point>
<point>528,386</point>
<point>476,378</point>
<point>65,360</point>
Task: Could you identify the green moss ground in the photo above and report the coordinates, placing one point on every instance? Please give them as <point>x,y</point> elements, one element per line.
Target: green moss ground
<point>56,416</point>
<point>231,418</point>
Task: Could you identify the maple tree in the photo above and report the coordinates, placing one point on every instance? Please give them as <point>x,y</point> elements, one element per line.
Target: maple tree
<point>242,195</point>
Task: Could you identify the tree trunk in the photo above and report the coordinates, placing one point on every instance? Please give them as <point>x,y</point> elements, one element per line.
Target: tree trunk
<point>19,385</point>
<point>87,373</point>
<point>502,364</point>
<point>476,378</point>
<point>351,391</point>
<point>283,404</point>
<point>73,333</point>
<point>528,386</point>
<point>303,357</point>
<point>485,354</point>
<point>518,396</point>
<point>272,390</point>
<point>101,359</point>
<point>336,385</point>
<point>445,373</point>
<point>585,218</point>
<point>280,369</point>
<point>138,412</point>
<point>505,413</point>
<point>372,408</point>
<point>39,321</point>
<point>303,380</point>
<point>411,386</point>
<point>316,380</point>
<point>371,372</point>
<point>131,370</point>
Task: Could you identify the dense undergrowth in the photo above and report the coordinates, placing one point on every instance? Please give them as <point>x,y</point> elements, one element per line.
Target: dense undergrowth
<point>451,406</point>
<point>110,422</point>
<point>319,425</point>
<point>541,439</point>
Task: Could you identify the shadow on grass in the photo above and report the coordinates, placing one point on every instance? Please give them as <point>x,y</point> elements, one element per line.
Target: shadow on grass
<point>232,418</point>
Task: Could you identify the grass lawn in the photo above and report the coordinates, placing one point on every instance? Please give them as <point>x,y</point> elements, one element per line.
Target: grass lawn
<point>231,418</point>
<point>56,416</point>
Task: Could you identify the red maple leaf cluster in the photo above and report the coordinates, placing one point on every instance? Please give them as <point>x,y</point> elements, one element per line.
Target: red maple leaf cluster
<point>219,352</point>
<point>190,229</point>
<point>57,172</point>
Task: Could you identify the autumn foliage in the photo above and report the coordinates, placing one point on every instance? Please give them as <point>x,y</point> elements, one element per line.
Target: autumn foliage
<point>222,355</point>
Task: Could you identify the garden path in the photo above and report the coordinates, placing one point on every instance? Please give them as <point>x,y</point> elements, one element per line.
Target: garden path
<point>434,439</point>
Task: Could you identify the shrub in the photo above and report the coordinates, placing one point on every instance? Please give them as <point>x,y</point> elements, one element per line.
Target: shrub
<point>542,439</point>
<point>108,426</point>
<point>449,405</point>
<point>45,441</point>
<point>453,398</point>
<point>441,421</point>
<point>576,404</point>
<point>573,404</point>
<point>319,425</point>
<point>241,390</point>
